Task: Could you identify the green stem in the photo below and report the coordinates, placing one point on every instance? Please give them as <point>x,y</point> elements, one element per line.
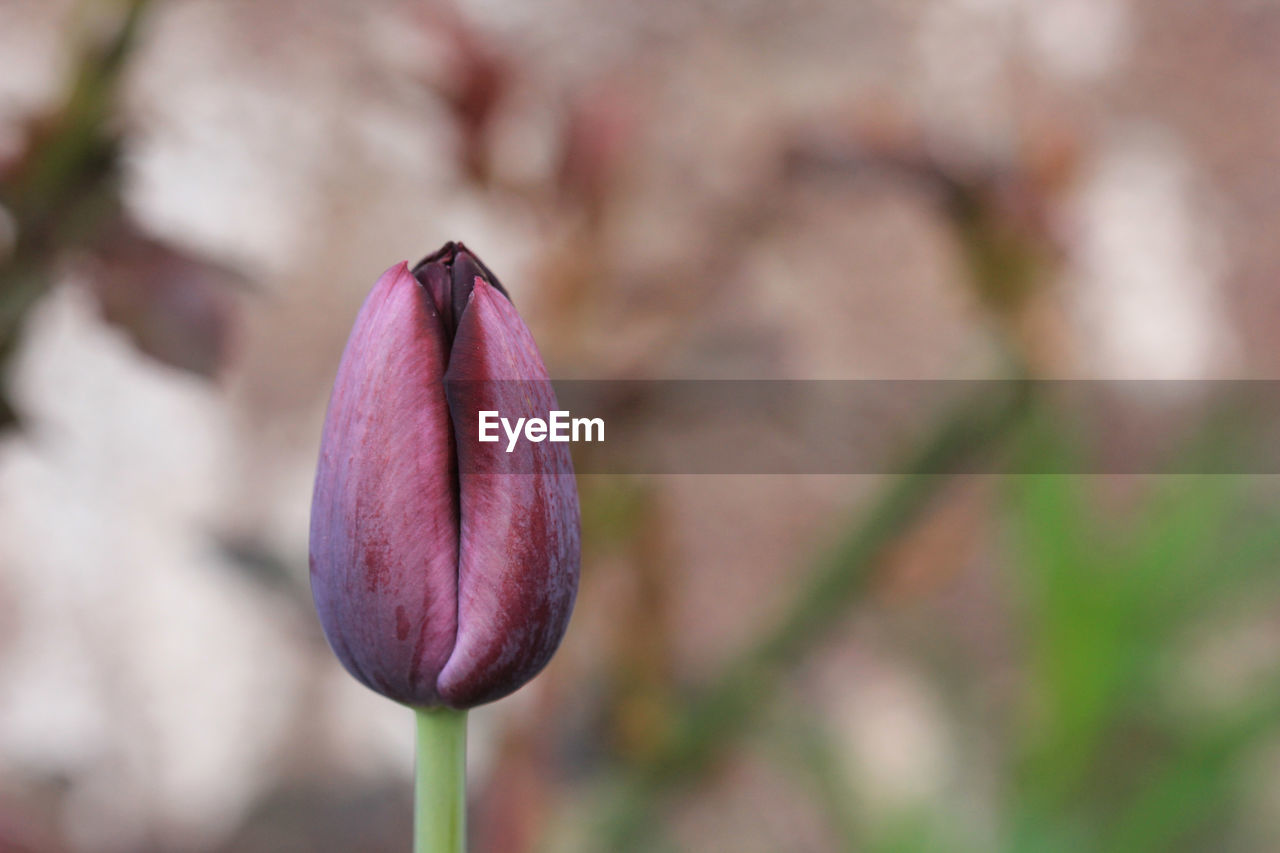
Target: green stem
<point>440,792</point>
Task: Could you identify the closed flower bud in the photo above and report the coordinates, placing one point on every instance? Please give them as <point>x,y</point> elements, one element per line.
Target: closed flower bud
<point>443,568</point>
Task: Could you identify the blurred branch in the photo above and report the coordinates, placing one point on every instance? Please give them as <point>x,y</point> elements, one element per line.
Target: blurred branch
<point>805,742</point>
<point>838,581</point>
<point>999,220</point>
<point>1000,214</point>
<point>64,185</point>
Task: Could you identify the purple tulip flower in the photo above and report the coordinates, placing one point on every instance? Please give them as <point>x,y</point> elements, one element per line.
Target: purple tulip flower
<point>443,569</point>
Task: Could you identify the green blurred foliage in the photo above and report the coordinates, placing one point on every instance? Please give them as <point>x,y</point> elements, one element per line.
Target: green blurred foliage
<point>1109,607</point>
<point>1117,582</point>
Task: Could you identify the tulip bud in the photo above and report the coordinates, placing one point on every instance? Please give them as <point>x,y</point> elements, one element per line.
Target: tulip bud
<point>443,569</point>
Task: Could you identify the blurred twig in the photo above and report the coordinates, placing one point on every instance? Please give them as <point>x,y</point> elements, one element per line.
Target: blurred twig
<point>804,740</point>
<point>729,706</point>
<point>1000,214</point>
<point>997,233</point>
<point>64,184</point>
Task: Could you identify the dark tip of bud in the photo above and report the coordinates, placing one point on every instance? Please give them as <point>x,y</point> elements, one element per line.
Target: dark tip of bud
<point>455,256</point>
<point>449,275</point>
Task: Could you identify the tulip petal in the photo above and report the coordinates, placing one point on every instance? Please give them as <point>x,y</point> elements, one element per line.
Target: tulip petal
<point>519,518</point>
<point>384,534</point>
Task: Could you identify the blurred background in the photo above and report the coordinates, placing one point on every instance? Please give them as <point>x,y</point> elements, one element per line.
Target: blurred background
<point>195,195</point>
